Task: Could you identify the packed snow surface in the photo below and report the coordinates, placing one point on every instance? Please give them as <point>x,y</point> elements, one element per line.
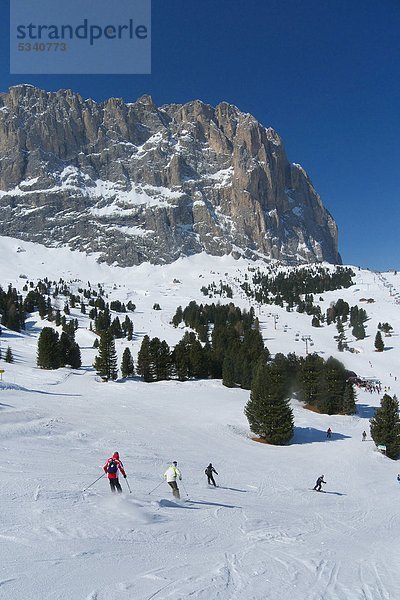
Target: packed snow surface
<point>262,533</point>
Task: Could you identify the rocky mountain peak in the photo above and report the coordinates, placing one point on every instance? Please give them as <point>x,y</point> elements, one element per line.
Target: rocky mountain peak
<point>136,182</point>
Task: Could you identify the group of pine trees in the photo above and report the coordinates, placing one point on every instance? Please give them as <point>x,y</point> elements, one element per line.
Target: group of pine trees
<point>227,345</point>
<point>103,320</point>
<point>55,351</point>
<point>232,348</point>
<point>268,287</point>
<point>106,361</point>
<point>223,290</point>
<point>12,310</point>
<point>321,385</point>
<point>271,418</point>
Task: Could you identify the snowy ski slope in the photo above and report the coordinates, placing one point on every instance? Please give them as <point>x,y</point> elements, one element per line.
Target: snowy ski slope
<point>263,533</point>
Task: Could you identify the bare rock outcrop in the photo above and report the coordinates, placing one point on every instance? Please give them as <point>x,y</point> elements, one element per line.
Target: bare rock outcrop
<point>137,182</point>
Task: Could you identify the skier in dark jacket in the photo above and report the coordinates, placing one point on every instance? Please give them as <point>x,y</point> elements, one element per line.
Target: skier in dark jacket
<point>209,472</point>
<point>112,467</point>
<point>319,483</point>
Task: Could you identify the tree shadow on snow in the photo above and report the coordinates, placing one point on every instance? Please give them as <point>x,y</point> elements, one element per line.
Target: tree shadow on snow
<point>364,411</point>
<point>9,334</point>
<point>310,435</point>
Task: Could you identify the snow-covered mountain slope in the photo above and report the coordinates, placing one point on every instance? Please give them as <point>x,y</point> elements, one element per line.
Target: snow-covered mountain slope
<point>263,533</point>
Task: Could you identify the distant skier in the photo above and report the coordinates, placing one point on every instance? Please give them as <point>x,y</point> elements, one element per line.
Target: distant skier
<point>171,475</point>
<point>398,477</point>
<point>209,472</point>
<point>364,436</point>
<point>319,483</point>
<point>329,433</point>
<point>112,467</point>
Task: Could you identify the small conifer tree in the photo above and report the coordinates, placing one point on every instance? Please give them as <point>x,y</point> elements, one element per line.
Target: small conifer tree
<point>385,426</point>
<point>379,345</point>
<point>144,366</point>
<point>48,352</point>
<point>74,356</point>
<point>127,365</point>
<point>358,330</point>
<point>9,358</point>
<point>106,361</point>
<point>268,411</point>
<point>228,371</point>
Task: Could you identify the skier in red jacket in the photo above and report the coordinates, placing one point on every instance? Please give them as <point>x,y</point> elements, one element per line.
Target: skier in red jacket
<point>112,467</point>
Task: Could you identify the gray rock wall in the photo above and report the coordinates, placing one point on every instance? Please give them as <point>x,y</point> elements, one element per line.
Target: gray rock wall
<point>135,182</point>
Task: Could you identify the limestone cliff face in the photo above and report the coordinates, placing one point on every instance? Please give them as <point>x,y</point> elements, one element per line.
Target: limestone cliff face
<point>138,182</point>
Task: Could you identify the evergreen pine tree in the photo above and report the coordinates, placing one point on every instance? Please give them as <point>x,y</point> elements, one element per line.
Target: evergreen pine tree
<point>106,361</point>
<point>246,371</point>
<point>12,320</point>
<point>358,330</point>
<point>268,410</point>
<point>379,345</point>
<point>341,338</point>
<point>116,328</point>
<point>64,347</point>
<point>48,354</point>
<point>160,359</point>
<point>228,370</point>
<point>129,329</point>
<point>178,317</point>
<point>144,365</point>
<point>315,322</point>
<point>385,426</point>
<point>9,358</point>
<point>41,304</point>
<point>349,399</point>
<point>181,358</point>
<point>331,387</point>
<point>198,360</point>
<point>127,366</point>
<point>74,356</point>
<point>308,379</point>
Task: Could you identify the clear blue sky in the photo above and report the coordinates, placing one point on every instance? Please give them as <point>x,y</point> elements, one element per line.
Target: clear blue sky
<point>324,73</point>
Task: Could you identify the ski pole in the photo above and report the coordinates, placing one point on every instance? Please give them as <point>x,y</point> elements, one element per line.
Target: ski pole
<point>183,485</point>
<point>127,483</point>
<point>93,482</point>
<point>154,489</point>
